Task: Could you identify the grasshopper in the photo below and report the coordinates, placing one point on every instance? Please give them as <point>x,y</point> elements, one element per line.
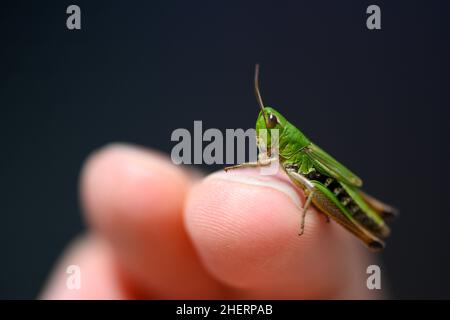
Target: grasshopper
<point>327,184</point>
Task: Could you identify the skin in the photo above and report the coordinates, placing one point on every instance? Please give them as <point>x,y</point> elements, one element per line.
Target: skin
<point>158,231</point>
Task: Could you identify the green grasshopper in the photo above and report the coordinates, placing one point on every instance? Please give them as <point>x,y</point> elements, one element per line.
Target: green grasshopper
<point>327,184</point>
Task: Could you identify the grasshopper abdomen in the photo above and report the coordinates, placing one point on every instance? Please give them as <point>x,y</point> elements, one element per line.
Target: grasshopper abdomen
<point>339,190</point>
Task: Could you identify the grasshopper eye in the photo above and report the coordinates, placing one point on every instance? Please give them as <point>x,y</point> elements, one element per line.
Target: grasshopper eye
<point>272,121</point>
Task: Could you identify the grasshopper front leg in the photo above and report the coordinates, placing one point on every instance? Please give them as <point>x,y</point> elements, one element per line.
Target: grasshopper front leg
<point>262,162</point>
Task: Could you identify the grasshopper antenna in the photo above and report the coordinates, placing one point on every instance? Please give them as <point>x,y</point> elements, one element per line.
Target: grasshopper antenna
<point>258,93</point>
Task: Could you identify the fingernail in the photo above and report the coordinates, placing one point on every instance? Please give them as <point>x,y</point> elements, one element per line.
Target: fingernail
<point>254,179</point>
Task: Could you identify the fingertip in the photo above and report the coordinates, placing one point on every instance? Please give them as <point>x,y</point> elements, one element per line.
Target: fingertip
<point>245,228</point>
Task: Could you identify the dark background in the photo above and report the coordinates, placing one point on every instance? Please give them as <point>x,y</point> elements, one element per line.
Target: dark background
<point>377,100</point>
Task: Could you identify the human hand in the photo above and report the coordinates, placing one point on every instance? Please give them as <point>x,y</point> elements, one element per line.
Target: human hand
<point>159,231</point>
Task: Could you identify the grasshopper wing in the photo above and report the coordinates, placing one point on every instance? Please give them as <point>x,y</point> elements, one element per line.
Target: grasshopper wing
<point>331,166</point>
<point>377,224</point>
<point>384,210</point>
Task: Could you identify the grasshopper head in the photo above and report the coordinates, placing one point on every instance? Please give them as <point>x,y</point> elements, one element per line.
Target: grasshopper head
<point>268,119</point>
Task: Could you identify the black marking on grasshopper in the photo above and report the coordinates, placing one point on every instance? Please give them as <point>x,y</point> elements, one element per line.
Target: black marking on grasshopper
<point>344,198</point>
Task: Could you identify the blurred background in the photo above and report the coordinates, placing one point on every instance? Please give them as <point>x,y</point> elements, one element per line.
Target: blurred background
<point>377,100</point>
